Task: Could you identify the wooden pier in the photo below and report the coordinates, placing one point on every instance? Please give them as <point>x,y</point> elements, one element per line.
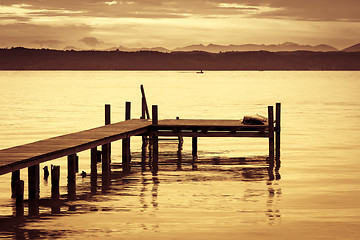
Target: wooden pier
<point>32,154</point>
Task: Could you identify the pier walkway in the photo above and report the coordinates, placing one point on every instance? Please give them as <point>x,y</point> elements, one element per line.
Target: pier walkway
<point>27,155</point>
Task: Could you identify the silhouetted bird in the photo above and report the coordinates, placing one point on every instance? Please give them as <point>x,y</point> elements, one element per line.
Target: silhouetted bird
<point>46,173</point>
<point>83,174</point>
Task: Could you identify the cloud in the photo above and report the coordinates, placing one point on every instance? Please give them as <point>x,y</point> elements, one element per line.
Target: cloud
<point>35,35</point>
<point>91,41</point>
<point>47,43</point>
<point>318,10</point>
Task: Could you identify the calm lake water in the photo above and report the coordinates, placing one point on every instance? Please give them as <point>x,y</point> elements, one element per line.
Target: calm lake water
<point>315,195</point>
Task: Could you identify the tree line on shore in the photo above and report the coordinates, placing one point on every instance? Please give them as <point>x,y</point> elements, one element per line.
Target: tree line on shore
<point>46,59</point>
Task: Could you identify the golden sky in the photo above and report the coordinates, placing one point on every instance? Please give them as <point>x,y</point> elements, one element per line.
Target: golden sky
<point>101,24</point>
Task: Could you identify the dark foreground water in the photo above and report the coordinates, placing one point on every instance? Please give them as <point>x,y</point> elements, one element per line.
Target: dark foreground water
<point>314,195</point>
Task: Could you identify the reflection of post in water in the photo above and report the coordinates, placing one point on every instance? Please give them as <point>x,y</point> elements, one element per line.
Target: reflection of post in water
<point>144,183</point>
<point>154,191</point>
<point>143,153</point>
<point>274,195</point>
<point>274,192</point>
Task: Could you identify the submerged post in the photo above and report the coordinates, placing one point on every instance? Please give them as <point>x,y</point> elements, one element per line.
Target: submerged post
<point>14,177</point>
<point>71,177</point>
<point>155,139</point>
<point>94,160</point>
<point>278,130</point>
<point>34,189</point>
<point>271,133</point>
<point>194,152</point>
<point>19,196</point>
<point>126,155</point>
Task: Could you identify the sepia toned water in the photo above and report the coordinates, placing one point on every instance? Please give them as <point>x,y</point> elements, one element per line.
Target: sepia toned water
<point>315,194</point>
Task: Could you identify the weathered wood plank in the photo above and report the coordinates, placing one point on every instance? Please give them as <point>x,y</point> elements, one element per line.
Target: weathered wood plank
<point>30,154</point>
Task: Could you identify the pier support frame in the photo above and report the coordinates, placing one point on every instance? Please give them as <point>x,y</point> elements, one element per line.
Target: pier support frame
<point>34,189</point>
<point>155,140</point>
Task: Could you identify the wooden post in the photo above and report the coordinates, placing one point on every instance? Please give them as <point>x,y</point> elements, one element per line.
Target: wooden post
<point>107,122</point>
<point>106,172</point>
<point>94,160</point>
<point>271,134</point>
<point>76,163</point>
<point>144,103</point>
<point>19,196</point>
<point>194,152</point>
<point>155,139</point>
<point>14,177</point>
<point>107,114</point>
<point>179,154</point>
<point>126,157</point>
<point>55,182</point>
<point>34,189</point>
<point>278,130</point>
<point>71,177</point>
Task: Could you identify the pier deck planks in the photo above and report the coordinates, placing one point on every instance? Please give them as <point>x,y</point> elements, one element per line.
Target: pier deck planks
<point>18,157</point>
<point>15,158</point>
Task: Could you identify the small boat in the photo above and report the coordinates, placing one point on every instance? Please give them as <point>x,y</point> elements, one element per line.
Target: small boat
<point>201,71</point>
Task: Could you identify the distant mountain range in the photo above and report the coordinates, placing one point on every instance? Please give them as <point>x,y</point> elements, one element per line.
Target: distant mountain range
<point>214,48</point>
<point>354,48</point>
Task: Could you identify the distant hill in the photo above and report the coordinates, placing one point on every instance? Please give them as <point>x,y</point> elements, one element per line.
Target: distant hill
<point>287,46</point>
<point>125,49</point>
<point>45,59</point>
<point>354,48</point>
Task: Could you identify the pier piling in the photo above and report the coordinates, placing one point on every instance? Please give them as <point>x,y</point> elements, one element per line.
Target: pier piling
<point>55,182</point>
<point>94,161</point>
<point>277,136</point>
<point>194,151</point>
<point>71,177</point>
<point>107,122</point>
<point>271,133</point>
<point>34,189</point>
<point>155,139</point>
<point>126,155</point>
<point>106,171</point>
<point>19,196</point>
<point>14,177</point>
